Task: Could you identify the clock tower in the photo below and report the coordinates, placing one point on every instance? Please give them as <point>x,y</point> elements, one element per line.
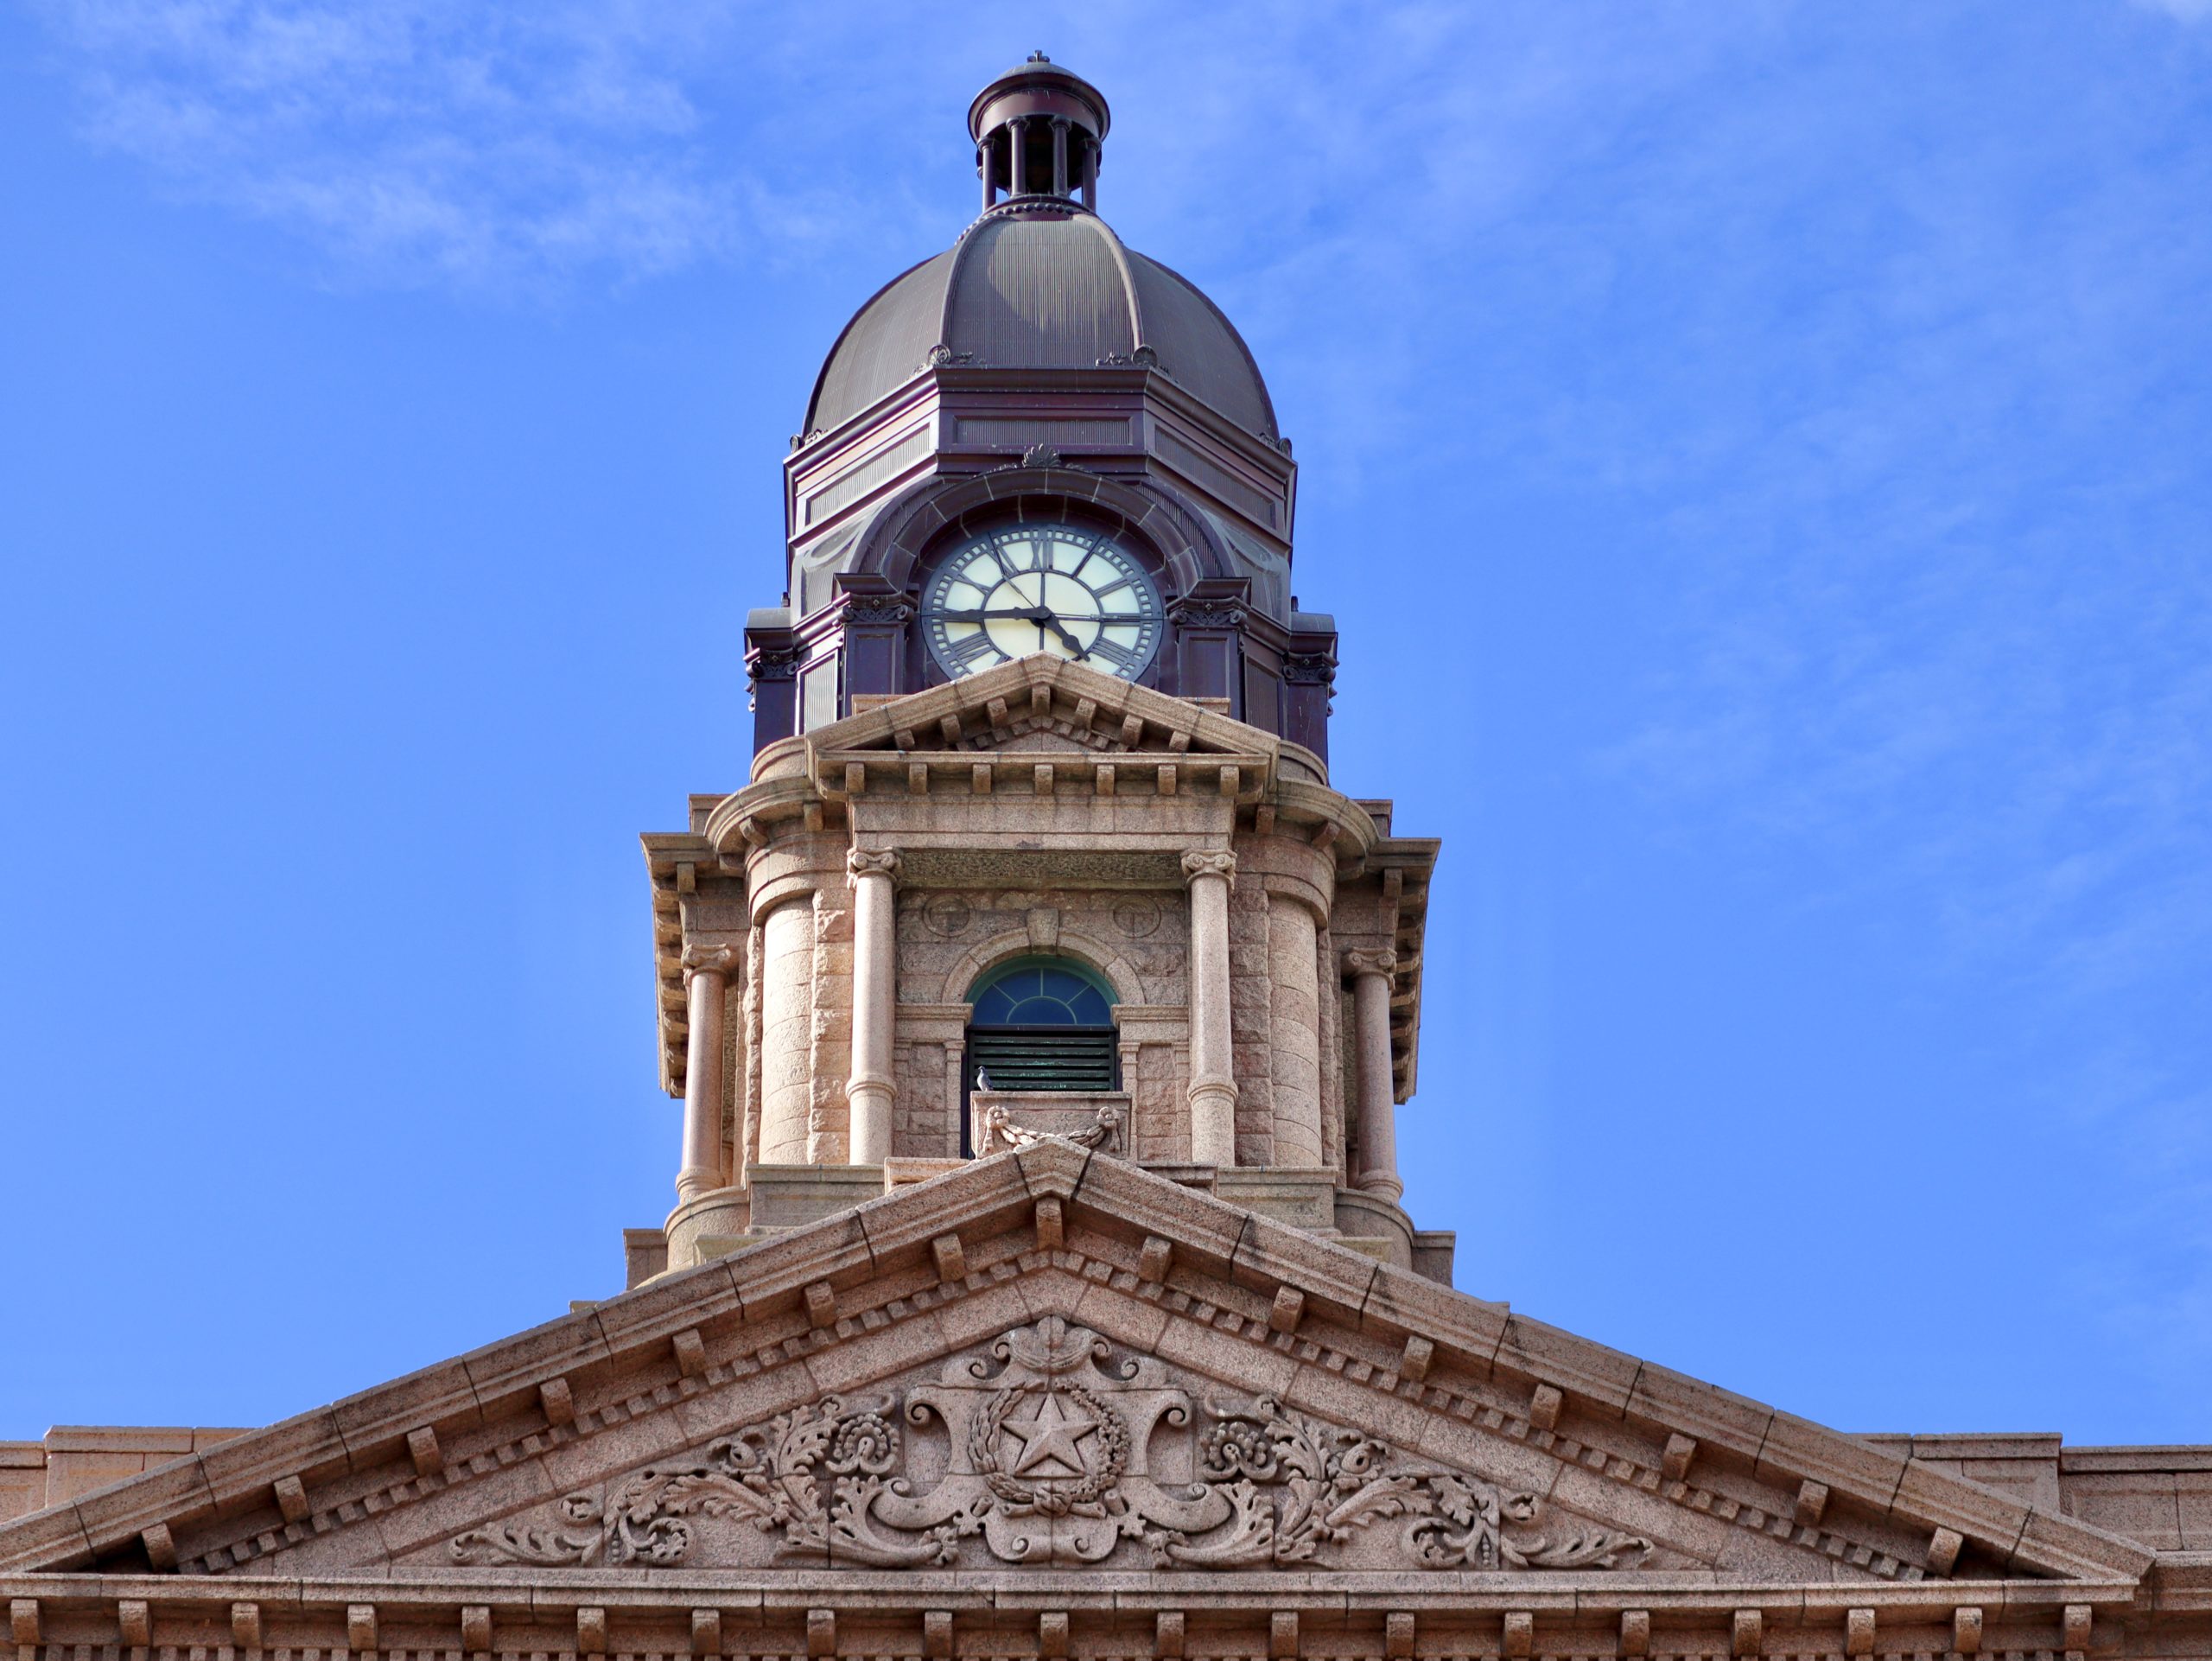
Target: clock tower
<point>1039,839</point>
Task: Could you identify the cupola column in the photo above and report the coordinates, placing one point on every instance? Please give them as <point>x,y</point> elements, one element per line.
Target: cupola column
<point>1091,176</point>
<point>1060,124</point>
<point>985,161</point>
<point>1017,138</point>
<point>1378,1136</point>
<point>1213,1071</point>
<point>870,1091</point>
<point>706,978</point>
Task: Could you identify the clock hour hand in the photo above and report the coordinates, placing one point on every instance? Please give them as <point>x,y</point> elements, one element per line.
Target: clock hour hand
<point>1045,619</point>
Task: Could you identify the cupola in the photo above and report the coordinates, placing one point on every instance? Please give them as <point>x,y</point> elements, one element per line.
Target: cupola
<point>1039,130</point>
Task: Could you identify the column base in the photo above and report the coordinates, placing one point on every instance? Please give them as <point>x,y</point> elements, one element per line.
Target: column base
<point>721,1212</point>
<point>868,1104</point>
<point>1213,1125</point>
<point>1366,1215</point>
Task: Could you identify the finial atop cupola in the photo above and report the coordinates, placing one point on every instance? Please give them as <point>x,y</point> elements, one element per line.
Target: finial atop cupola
<point>1039,130</point>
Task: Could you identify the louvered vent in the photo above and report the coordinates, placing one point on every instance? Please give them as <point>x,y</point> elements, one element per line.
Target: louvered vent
<point>1042,1058</point>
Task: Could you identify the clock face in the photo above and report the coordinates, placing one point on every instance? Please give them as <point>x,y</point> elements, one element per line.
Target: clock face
<point>1026,589</point>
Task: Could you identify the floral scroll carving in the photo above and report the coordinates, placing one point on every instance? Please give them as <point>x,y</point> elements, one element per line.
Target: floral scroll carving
<point>809,1476</point>
<point>1053,1447</point>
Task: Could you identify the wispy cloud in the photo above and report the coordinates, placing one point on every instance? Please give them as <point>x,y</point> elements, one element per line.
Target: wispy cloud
<point>2189,12</point>
<point>473,146</point>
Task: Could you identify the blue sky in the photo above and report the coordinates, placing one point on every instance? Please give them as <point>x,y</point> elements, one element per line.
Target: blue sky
<point>1755,453</point>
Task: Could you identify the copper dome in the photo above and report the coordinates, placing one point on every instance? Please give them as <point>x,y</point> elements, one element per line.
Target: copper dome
<point>1040,282</point>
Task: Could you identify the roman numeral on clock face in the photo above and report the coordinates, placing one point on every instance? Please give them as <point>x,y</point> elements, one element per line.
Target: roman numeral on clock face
<point>971,649</point>
<point>1119,655</point>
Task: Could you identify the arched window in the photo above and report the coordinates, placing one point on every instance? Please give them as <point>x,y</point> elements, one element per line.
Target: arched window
<point>1040,1023</point>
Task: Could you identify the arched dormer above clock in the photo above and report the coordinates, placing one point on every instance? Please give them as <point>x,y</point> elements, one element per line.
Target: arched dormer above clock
<point>867,622</point>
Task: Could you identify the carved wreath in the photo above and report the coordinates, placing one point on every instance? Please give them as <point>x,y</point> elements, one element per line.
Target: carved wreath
<point>1053,1498</point>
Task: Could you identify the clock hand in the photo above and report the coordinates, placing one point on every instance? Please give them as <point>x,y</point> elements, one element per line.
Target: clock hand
<point>1038,615</point>
<point>1041,614</point>
<point>1045,620</point>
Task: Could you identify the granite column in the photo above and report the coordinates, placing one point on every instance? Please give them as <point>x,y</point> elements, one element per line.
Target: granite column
<point>1213,1070</point>
<point>706,978</point>
<point>1371,974</point>
<point>870,1092</point>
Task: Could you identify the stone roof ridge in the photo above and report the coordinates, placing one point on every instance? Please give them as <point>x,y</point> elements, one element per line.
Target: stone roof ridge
<point>1052,1229</point>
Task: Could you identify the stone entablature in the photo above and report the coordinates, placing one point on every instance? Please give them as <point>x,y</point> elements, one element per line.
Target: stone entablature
<point>830,919</point>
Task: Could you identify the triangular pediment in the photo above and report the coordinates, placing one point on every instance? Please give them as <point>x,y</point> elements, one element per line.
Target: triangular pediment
<point>1047,1363</point>
<point>1044,703</point>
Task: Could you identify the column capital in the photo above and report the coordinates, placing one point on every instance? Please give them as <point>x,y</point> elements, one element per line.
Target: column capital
<point>1208,862</point>
<point>872,862</point>
<point>1361,960</point>
<point>701,958</point>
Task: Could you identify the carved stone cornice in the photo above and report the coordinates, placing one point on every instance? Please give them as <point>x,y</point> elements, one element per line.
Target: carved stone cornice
<point>872,862</point>
<point>1206,613</point>
<point>1208,862</point>
<point>1363,960</point>
<point>702,959</point>
<point>863,609</point>
<point>775,663</point>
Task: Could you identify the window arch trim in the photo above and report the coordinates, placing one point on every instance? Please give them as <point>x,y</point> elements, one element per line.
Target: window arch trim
<point>1042,990</point>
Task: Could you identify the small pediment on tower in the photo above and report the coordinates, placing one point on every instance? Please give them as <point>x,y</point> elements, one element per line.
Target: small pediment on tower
<point>1039,704</point>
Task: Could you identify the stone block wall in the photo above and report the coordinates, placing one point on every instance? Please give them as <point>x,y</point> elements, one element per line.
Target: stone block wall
<point>1139,940</point>
<point>74,1459</point>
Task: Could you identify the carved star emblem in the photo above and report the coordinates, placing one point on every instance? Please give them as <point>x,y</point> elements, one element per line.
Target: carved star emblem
<point>1050,1436</point>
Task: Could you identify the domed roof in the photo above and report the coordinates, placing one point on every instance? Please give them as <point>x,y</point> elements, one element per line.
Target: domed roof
<point>1040,282</point>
